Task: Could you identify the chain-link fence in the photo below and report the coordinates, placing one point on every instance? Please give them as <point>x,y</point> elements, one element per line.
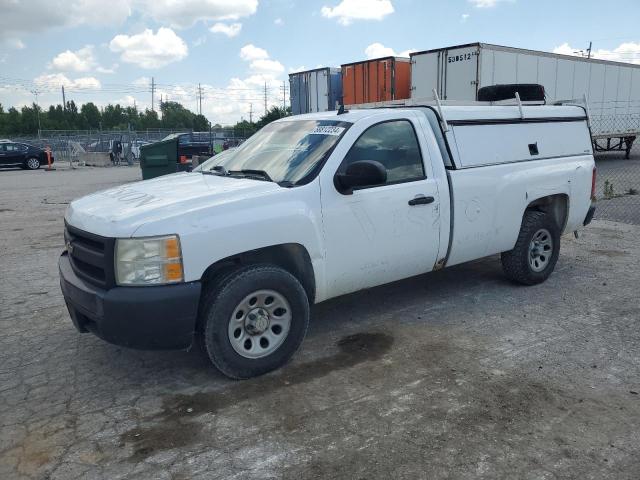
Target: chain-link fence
<point>618,185</point>
<point>68,145</point>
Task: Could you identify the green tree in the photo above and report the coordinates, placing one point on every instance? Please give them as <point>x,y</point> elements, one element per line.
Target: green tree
<point>274,113</point>
<point>149,119</point>
<point>29,119</point>
<point>90,116</point>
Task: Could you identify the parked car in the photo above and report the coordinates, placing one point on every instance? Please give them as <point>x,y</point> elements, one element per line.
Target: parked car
<point>316,206</point>
<point>30,157</point>
<point>190,144</point>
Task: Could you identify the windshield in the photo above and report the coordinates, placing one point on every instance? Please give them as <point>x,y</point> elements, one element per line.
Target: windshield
<point>171,136</point>
<point>286,151</point>
<point>218,158</point>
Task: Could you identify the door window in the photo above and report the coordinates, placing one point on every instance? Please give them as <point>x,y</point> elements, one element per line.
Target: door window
<point>394,144</point>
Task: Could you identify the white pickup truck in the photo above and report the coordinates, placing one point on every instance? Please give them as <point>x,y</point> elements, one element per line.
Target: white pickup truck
<point>321,205</point>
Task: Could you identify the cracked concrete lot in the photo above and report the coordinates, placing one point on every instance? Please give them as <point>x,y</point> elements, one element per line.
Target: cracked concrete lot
<point>453,375</point>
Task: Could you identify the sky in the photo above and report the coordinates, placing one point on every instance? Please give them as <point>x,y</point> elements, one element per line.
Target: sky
<point>108,51</point>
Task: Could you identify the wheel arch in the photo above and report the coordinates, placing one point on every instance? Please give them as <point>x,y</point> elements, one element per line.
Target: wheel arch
<point>556,205</point>
<point>292,257</point>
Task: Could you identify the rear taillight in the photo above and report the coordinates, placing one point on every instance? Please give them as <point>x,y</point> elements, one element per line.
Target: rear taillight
<point>593,184</point>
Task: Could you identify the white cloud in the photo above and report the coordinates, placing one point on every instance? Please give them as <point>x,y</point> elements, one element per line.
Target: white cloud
<point>464,17</point>
<point>251,52</point>
<point>349,10</point>
<point>13,43</point>
<point>278,21</point>
<point>142,82</point>
<point>150,50</point>
<point>126,101</point>
<point>229,104</point>
<point>230,30</point>
<point>626,52</point>
<point>56,80</point>
<point>108,71</point>
<point>266,66</point>
<point>301,68</point>
<point>184,13</point>
<point>81,60</point>
<point>20,17</point>
<point>378,50</point>
<point>487,3</point>
<point>260,60</point>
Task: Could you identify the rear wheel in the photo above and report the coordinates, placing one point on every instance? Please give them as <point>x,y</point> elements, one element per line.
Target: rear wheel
<point>32,163</point>
<point>254,320</point>
<point>536,252</point>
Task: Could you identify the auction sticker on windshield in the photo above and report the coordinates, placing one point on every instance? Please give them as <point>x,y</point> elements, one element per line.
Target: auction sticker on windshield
<point>327,130</point>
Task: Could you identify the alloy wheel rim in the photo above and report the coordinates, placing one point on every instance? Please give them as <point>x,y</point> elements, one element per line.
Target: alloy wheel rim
<point>540,250</point>
<point>259,324</point>
<point>33,163</point>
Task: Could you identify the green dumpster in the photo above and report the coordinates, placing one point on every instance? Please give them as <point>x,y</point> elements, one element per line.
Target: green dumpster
<point>160,158</point>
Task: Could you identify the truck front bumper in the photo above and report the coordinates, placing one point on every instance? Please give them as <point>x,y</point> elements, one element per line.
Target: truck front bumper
<point>148,318</point>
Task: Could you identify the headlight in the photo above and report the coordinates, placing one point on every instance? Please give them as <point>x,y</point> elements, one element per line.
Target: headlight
<point>148,261</point>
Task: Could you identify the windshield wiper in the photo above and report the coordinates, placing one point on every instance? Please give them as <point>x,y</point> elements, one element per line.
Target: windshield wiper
<point>250,173</point>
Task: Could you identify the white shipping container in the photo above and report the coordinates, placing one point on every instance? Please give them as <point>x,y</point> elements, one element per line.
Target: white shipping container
<point>612,88</point>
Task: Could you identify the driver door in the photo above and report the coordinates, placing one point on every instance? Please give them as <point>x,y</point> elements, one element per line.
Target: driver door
<point>381,233</point>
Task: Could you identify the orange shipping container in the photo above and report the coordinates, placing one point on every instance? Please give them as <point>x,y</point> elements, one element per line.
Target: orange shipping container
<point>376,80</point>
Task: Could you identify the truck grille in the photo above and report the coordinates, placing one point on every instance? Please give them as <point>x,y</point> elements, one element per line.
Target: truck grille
<point>91,256</point>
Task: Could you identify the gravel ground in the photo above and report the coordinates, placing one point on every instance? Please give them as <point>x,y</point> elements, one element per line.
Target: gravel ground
<point>455,374</point>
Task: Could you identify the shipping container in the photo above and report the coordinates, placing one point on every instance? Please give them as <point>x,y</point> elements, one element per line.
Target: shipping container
<point>377,80</point>
<point>612,89</point>
<point>317,90</point>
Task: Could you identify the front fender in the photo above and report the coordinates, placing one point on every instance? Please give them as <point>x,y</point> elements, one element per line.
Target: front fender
<point>289,215</point>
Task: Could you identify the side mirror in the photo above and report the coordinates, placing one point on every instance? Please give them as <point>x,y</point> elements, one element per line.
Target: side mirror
<point>364,173</point>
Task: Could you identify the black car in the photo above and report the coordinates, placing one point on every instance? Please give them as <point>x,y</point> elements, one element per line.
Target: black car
<point>13,154</point>
<point>190,144</point>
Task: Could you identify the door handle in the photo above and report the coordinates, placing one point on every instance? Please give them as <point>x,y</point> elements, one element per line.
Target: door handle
<point>421,200</point>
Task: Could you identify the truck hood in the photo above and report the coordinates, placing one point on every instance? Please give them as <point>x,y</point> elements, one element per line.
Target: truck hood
<point>120,211</point>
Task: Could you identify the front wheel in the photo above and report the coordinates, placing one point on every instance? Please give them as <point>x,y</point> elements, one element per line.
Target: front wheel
<point>536,252</point>
<point>254,320</point>
<point>32,163</point>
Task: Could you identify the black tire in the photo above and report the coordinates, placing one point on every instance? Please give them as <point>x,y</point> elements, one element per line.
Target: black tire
<point>219,303</point>
<point>516,263</point>
<point>32,163</point>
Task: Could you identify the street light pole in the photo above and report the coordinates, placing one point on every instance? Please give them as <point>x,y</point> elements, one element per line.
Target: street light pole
<point>35,92</point>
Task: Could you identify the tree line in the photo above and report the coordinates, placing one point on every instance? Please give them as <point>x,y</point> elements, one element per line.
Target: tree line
<point>29,119</point>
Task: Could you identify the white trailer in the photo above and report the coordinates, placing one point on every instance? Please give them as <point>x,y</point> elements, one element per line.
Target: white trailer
<point>612,89</point>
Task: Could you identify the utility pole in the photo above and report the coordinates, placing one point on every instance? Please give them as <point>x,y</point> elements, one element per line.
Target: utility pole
<point>265,98</point>
<point>64,101</point>
<point>153,91</point>
<point>36,92</point>
<point>251,113</point>
<point>200,96</point>
<point>589,50</point>
<point>284,95</point>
